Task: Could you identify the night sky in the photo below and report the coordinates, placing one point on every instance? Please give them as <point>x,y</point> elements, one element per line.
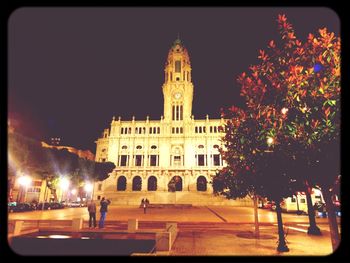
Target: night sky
<point>72,69</point>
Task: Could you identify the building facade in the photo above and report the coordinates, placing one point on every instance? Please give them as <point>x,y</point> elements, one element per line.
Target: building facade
<point>168,160</point>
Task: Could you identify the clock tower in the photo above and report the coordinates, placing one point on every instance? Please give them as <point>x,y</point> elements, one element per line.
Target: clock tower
<point>177,87</point>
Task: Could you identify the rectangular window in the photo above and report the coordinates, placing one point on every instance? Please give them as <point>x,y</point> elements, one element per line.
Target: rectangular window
<point>181,113</point>
<point>200,159</point>
<point>172,130</point>
<point>173,113</point>
<point>293,200</point>
<point>123,159</point>
<point>138,160</point>
<point>158,130</point>
<point>177,66</point>
<point>181,130</point>
<point>99,187</point>
<point>150,130</point>
<point>216,159</point>
<point>177,160</point>
<point>211,129</point>
<point>153,160</point>
<point>302,200</point>
<point>215,129</point>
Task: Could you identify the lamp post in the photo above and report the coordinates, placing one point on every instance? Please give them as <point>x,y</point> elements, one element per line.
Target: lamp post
<point>282,245</point>
<point>23,181</point>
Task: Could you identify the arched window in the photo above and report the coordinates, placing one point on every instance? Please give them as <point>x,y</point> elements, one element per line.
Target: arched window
<point>121,183</point>
<point>201,146</point>
<point>175,184</point>
<point>124,147</point>
<point>136,183</point>
<point>138,147</point>
<point>153,147</point>
<point>201,184</point>
<point>152,183</point>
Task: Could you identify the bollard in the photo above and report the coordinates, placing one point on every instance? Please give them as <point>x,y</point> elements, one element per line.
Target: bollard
<point>133,225</point>
<point>17,228</point>
<point>77,224</point>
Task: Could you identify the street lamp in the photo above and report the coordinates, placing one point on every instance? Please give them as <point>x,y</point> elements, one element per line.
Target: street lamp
<point>24,181</point>
<point>64,184</point>
<point>270,141</point>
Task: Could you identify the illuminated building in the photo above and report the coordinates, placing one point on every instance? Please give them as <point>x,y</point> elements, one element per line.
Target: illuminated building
<point>155,157</point>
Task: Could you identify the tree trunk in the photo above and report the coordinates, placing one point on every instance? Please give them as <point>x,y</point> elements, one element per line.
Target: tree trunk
<point>313,229</point>
<point>282,246</point>
<point>332,220</point>
<point>256,218</point>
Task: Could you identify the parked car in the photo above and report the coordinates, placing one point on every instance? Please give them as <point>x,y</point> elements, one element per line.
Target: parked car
<point>46,205</point>
<point>265,205</point>
<point>56,205</point>
<point>21,207</point>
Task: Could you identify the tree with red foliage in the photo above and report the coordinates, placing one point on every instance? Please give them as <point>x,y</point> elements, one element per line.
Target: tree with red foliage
<point>294,96</point>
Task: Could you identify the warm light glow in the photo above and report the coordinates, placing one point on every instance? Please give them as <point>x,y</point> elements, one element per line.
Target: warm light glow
<point>270,140</point>
<point>88,187</point>
<point>64,183</point>
<point>59,236</point>
<point>284,111</point>
<point>74,191</point>
<point>24,180</point>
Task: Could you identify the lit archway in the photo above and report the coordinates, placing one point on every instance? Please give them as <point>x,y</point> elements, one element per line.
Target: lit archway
<point>121,183</point>
<point>201,184</point>
<point>152,183</point>
<point>175,184</point>
<point>136,183</point>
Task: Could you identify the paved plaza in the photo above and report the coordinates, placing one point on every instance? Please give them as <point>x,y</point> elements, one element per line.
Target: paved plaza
<point>209,230</point>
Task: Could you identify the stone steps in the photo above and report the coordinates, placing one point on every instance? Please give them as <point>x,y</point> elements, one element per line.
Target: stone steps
<point>185,198</point>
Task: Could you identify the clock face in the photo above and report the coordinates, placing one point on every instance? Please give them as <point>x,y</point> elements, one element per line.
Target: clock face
<point>177,95</point>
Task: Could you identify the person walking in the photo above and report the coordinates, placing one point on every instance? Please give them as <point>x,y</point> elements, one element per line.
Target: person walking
<point>103,210</point>
<point>92,213</point>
